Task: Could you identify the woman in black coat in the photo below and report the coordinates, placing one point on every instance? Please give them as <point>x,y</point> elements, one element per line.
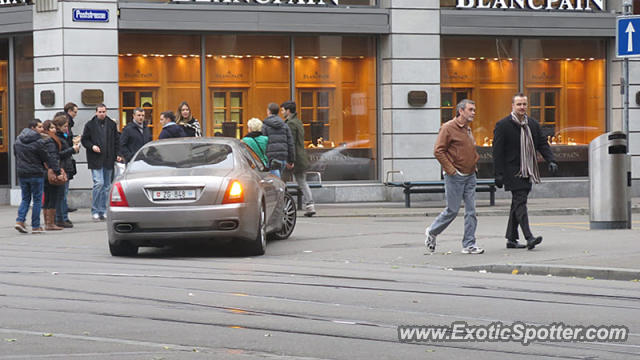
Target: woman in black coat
<point>185,119</point>
<point>53,194</point>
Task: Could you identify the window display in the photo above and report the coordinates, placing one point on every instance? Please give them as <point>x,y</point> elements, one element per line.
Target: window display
<point>564,81</point>
<point>332,81</point>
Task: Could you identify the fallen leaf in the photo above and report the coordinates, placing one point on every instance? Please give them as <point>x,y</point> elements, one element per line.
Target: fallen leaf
<point>482,271</point>
<point>430,350</point>
<point>589,278</point>
<point>514,272</point>
<point>635,280</point>
<point>267,335</point>
<point>165,347</point>
<point>395,267</point>
<point>10,340</point>
<point>47,334</point>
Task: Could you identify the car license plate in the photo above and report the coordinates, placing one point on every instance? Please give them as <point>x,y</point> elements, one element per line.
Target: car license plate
<point>174,195</point>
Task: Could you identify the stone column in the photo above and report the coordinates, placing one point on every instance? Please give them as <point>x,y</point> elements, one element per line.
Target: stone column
<point>71,56</point>
<point>410,57</point>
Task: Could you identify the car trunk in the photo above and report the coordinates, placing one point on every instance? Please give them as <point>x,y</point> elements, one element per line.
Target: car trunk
<point>184,187</point>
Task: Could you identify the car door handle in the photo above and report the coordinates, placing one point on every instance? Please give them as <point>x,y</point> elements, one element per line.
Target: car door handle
<point>268,181</point>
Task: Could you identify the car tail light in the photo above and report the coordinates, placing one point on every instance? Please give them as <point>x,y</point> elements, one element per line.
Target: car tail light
<point>234,193</point>
<point>117,196</point>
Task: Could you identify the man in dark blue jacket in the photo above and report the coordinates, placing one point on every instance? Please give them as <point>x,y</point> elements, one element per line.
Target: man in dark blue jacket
<point>281,150</point>
<point>102,141</point>
<point>134,135</point>
<point>169,127</point>
<point>31,154</point>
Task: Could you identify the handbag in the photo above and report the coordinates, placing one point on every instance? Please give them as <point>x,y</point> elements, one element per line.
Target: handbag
<point>56,179</point>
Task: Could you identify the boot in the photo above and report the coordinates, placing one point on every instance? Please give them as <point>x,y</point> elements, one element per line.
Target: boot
<point>50,220</point>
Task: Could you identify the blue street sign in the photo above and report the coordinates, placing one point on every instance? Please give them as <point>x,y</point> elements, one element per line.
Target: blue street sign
<point>628,36</point>
<point>91,15</point>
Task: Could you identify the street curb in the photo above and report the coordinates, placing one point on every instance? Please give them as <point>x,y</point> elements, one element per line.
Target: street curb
<point>587,272</point>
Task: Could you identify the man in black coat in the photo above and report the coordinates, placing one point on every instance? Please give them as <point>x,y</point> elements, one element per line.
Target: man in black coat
<point>281,150</point>
<point>134,135</point>
<point>102,141</point>
<point>71,110</point>
<point>169,127</point>
<point>516,138</point>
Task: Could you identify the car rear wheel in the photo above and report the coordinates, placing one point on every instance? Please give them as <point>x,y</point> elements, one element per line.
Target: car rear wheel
<point>289,218</point>
<point>123,249</point>
<point>259,245</point>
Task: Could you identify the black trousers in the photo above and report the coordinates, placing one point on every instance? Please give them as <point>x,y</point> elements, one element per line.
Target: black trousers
<point>518,215</point>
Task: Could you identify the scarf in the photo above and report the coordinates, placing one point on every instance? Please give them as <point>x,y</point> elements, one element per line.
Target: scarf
<point>528,161</point>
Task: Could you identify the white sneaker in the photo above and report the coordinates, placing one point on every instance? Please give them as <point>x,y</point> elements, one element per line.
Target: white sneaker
<point>95,217</point>
<point>430,241</point>
<point>310,210</point>
<point>472,250</point>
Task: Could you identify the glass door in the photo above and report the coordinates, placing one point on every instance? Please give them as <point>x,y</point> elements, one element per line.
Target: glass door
<point>228,112</point>
<point>315,113</point>
<point>133,98</point>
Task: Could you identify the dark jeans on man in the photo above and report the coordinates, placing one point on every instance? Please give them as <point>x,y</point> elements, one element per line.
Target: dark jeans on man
<point>31,189</point>
<point>518,215</point>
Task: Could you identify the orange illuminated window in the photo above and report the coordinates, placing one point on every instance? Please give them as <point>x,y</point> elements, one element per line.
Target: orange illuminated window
<point>315,113</point>
<point>543,105</point>
<point>228,111</point>
<point>133,98</point>
<point>450,99</point>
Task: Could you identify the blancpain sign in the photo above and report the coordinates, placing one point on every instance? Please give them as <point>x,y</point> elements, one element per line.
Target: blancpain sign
<point>570,5</point>
<point>267,2</point>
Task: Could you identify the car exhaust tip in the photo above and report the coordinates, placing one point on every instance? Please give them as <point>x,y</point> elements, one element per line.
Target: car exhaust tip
<point>124,228</point>
<point>227,225</point>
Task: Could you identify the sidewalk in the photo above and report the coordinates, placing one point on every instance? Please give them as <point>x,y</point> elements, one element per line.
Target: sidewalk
<point>537,207</point>
<point>570,248</point>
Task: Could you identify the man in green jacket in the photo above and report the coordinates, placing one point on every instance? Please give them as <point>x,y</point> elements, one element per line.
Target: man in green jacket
<point>302,161</point>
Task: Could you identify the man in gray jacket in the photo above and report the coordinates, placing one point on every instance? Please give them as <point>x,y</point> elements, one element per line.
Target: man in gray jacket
<point>280,147</point>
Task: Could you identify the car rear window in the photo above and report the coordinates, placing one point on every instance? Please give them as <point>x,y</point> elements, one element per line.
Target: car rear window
<point>183,155</point>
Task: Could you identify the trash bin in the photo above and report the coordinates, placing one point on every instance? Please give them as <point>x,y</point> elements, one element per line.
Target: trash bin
<point>610,182</point>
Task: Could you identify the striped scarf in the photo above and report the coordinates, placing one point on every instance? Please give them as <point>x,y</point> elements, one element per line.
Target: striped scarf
<point>528,161</point>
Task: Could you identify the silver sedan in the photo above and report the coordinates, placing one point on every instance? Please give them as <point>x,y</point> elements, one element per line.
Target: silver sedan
<point>203,189</point>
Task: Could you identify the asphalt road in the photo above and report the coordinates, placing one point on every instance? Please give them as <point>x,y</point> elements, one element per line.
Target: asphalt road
<point>338,289</point>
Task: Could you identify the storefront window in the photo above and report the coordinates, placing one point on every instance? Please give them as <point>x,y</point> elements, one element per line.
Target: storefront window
<point>157,73</point>
<point>335,87</point>
<point>244,74</point>
<point>24,104</point>
<point>4,112</point>
<point>564,81</point>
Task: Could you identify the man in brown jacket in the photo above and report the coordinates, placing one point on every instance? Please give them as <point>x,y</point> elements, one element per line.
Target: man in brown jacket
<point>456,151</point>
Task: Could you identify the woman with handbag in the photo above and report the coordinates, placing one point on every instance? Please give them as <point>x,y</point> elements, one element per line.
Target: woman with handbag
<point>61,122</point>
<point>55,178</point>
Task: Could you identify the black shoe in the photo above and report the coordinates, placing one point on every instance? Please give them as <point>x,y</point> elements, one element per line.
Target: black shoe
<point>531,243</point>
<point>102,217</point>
<point>72,209</point>
<point>514,244</point>
<point>64,224</point>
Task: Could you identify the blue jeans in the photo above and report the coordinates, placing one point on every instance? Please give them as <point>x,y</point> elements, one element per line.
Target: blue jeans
<point>458,188</point>
<point>101,184</point>
<point>31,189</point>
<point>275,172</point>
<point>62,211</point>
